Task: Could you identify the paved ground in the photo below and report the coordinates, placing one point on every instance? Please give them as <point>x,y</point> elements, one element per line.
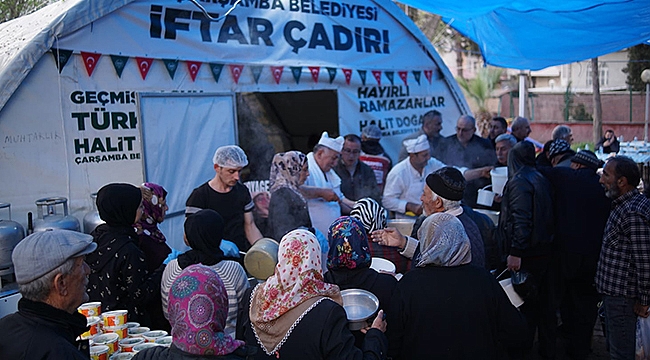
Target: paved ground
<point>599,350</point>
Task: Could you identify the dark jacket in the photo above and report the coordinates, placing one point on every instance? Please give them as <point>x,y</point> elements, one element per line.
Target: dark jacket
<point>526,221</point>
<point>360,185</point>
<point>287,211</point>
<point>174,353</point>
<point>458,312</point>
<point>322,333</point>
<point>118,273</point>
<point>40,331</point>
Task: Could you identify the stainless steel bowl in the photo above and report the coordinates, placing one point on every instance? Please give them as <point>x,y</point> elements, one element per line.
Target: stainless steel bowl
<point>360,307</point>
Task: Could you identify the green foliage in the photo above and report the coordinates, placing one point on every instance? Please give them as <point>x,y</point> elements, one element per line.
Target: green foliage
<point>581,146</point>
<point>639,60</point>
<point>568,101</point>
<point>580,113</point>
<point>11,9</point>
<point>480,88</point>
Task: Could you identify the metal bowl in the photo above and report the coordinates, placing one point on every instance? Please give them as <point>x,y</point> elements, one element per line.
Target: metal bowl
<point>404,226</point>
<point>261,258</point>
<point>360,307</point>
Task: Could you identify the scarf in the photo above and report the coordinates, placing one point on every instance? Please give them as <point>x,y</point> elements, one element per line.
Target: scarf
<point>370,213</point>
<point>285,171</point>
<point>118,204</point>
<point>204,231</point>
<point>444,242</point>
<point>153,214</point>
<point>295,288</point>
<point>198,308</point>
<point>348,242</point>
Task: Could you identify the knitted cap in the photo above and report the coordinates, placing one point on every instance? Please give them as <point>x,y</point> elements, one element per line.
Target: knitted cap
<point>588,159</point>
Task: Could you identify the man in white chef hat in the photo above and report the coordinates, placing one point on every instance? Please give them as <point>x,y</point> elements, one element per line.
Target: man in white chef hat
<point>323,186</point>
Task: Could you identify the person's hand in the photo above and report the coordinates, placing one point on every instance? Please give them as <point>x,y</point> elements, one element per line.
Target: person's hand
<point>497,198</point>
<point>414,208</point>
<point>379,323</point>
<point>514,263</point>
<point>641,310</point>
<point>389,237</point>
<point>229,248</point>
<point>485,171</point>
<point>329,195</point>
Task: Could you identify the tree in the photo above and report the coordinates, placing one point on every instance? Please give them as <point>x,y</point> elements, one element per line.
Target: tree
<point>11,9</point>
<point>638,60</point>
<point>597,132</point>
<point>480,90</point>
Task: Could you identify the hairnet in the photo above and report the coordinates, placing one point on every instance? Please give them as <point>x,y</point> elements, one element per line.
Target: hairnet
<point>230,156</point>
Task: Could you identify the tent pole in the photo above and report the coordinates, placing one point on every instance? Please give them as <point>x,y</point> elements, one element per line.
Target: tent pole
<point>522,93</point>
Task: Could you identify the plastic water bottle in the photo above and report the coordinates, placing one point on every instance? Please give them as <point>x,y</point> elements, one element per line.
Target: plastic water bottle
<point>586,146</point>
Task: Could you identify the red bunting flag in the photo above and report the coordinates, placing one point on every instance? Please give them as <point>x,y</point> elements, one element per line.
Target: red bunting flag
<point>348,75</point>
<point>235,71</point>
<point>144,65</point>
<point>277,73</point>
<point>377,75</point>
<point>428,74</point>
<point>90,61</point>
<point>315,71</point>
<point>404,76</point>
<point>193,67</point>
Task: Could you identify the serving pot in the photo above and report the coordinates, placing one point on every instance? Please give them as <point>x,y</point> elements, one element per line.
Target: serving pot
<point>360,307</point>
<point>261,258</point>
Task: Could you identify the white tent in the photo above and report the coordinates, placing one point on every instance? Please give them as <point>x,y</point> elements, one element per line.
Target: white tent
<point>100,91</point>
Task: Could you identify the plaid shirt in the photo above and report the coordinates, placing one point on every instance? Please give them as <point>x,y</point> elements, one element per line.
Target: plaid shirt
<point>624,265</point>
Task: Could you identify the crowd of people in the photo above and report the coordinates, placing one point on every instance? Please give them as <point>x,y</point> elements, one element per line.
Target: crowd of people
<point>568,237</point>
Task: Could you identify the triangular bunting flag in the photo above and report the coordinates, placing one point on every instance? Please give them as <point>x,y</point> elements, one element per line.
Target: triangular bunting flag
<point>427,74</point>
<point>315,71</point>
<point>277,73</point>
<point>404,76</point>
<point>377,75</point>
<point>257,71</point>
<point>235,71</point>
<point>144,65</point>
<point>362,75</point>
<point>90,61</point>
<point>348,75</point>
<point>216,70</point>
<point>332,72</point>
<point>416,75</point>
<point>171,65</point>
<point>296,71</point>
<point>119,62</point>
<point>391,76</point>
<point>193,68</point>
<point>61,57</point>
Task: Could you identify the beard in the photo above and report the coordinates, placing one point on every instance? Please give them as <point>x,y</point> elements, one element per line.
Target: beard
<point>612,193</point>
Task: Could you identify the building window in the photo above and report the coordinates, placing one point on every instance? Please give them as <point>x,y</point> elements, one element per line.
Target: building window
<point>603,74</point>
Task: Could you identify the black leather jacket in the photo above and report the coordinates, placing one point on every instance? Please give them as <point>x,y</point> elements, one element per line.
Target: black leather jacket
<point>526,222</point>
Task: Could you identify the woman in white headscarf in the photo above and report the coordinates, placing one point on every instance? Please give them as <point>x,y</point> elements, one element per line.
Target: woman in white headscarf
<point>447,308</point>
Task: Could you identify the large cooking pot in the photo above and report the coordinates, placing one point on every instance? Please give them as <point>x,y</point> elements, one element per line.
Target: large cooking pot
<point>49,218</point>
<point>92,219</point>
<point>261,258</point>
<point>11,233</point>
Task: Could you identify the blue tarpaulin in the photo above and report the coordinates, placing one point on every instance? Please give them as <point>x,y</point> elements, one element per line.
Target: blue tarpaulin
<point>533,34</point>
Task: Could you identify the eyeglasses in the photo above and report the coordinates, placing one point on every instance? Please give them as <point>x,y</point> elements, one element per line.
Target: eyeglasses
<point>351,151</point>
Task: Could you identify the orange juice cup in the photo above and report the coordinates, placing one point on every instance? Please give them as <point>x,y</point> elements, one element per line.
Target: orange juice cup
<point>99,352</point>
<point>110,340</point>
<point>122,331</point>
<point>90,309</point>
<point>115,318</point>
<point>126,345</point>
<point>93,322</point>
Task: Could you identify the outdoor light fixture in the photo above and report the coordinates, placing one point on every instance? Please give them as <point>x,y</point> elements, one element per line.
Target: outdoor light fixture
<point>645,76</point>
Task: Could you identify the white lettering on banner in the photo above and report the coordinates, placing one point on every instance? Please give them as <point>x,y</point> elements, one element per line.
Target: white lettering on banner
<point>117,145</point>
<point>166,23</point>
<point>255,186</point>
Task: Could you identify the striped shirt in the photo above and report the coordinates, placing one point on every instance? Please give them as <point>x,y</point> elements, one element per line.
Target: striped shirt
<point>234,279</point>
<point>624,265</point>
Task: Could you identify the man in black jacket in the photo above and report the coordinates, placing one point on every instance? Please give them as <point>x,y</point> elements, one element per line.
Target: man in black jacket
<point>525,234</point>
<point>52,277</point>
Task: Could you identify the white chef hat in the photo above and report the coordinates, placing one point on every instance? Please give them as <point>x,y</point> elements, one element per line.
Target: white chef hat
<point>416,145</point>
<point>335,144</point>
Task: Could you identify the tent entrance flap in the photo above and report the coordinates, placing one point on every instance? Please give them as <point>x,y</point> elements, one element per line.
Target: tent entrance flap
<point>180,133</point>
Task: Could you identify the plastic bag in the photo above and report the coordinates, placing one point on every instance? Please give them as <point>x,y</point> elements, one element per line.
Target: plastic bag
<point>524,284</point>
<point>642,338</point>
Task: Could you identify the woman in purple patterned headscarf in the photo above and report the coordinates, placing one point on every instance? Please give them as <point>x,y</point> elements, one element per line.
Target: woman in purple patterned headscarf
<point>198,307</point>
<point>152,242</point>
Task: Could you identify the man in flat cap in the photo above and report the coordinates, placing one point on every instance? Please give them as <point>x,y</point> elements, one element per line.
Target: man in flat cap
<point>52,277</point>
<point>581,210</point>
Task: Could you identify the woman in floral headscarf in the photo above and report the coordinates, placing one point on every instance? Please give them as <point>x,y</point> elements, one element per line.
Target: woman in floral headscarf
<point>198,307</point>
<point>152,242</point>
<point>447,308</point>
<point>288,208</point>
<point>296,315</point>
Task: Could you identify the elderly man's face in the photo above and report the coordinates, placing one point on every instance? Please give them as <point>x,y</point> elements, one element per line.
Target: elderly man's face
<point>350,153</point>
<point>432,126</point>
<point>522,130</point>
<point>76,282</point>
<point>326,158</point>
<point>464,130</point>
<point>496,129</point>
<point>502,148</point>
<point>430,203</point>
<point>610,181</point>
